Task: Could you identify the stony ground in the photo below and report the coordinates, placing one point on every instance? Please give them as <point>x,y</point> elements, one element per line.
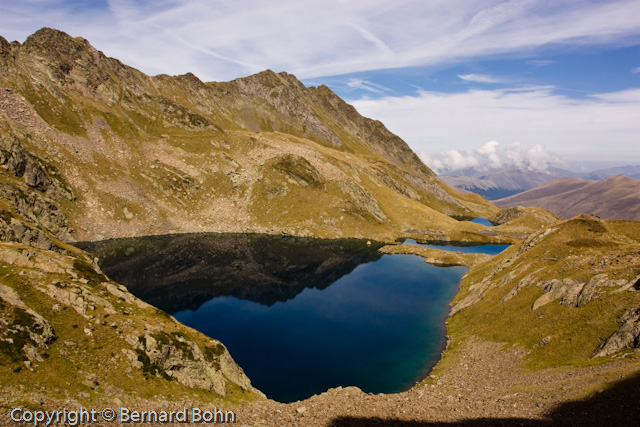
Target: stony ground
<point>484,386</point>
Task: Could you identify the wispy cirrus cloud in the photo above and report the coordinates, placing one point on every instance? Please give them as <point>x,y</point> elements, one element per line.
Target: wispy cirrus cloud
<point>223,39</point>
<point>435,122</point>
<point>220,39</point>
<point>479,78</point>
<point>368,86</point>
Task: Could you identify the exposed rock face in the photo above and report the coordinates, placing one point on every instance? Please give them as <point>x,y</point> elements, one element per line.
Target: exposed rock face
<point>507,215</point>
<point>92,309</point>
<point>29,194</point>
<point>175,356</point>
<point>300,171</point>
<point>517,212</point>
<point>362,201</point>
<point>627,336</point>
<point>24,335</point>
<point>35,209</point>
<point>572,293</point>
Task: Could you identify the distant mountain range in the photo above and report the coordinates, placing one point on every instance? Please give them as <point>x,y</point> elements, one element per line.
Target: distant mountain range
<point>500,183</point>
<point>615,197</point>
<point>630,171</point>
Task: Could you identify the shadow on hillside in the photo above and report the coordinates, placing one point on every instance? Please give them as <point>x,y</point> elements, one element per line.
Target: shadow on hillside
<point>616,406</point>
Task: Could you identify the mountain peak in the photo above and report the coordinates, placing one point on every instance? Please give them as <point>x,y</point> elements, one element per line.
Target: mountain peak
<point>55,41</point>
<point>59,50</point>
<point>262,143</point>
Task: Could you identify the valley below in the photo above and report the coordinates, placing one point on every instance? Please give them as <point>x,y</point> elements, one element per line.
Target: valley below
<point>105,171</point>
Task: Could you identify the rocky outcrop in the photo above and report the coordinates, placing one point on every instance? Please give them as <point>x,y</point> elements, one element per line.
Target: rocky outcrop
<point>533,239</point>
<point>29,192</point>
<point>476,292</point>
<point>572,293</point>
<point>35,173</point>
<point>89,308</point>
<point>15,230</point>
<point>627,335</point>
<point>534,215</point>
<point>25,335</point>
<point>361,201</point>
<point>299,171</point>
<point>174,355</point>
<point>507,215</point>
<point>36,209</point>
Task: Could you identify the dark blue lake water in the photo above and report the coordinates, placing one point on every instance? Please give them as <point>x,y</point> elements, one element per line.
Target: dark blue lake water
<point>298,315</point>
<point>380,328</point>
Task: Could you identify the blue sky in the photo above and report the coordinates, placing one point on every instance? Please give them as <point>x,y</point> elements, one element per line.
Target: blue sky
<point>482,83</point>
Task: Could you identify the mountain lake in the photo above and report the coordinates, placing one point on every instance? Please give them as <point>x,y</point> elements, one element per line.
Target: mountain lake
<point>299,315</point>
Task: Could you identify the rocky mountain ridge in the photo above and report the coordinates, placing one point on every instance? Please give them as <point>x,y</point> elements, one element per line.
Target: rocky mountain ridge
<point>152,155</point>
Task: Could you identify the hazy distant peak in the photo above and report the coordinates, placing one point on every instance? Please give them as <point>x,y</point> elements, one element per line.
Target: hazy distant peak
<point>615,197</point>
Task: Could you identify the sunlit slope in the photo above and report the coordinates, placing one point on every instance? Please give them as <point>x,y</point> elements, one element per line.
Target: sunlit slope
<point>152,155</point>
<point>71,335</point>
<point>568,294</point>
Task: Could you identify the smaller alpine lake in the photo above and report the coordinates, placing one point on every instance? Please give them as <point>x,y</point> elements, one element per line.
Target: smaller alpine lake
<point>300,316</point>
<point>459,247</point>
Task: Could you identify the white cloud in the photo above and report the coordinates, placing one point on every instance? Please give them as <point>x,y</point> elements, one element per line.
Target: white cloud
<point>600,127</point>
<point>492,156</point>
<point>478,78</point>
<point>222,39</point>
<point>636,70</point>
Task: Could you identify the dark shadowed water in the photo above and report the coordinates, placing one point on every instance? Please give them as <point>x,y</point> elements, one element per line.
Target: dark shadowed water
<point>298,315</point>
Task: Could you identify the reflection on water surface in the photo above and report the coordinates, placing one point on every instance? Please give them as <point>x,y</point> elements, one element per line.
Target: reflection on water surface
<point>299,315</point>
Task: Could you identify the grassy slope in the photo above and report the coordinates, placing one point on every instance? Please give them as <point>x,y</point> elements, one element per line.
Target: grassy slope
<point>577,249</point>
<point>80,365</point>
